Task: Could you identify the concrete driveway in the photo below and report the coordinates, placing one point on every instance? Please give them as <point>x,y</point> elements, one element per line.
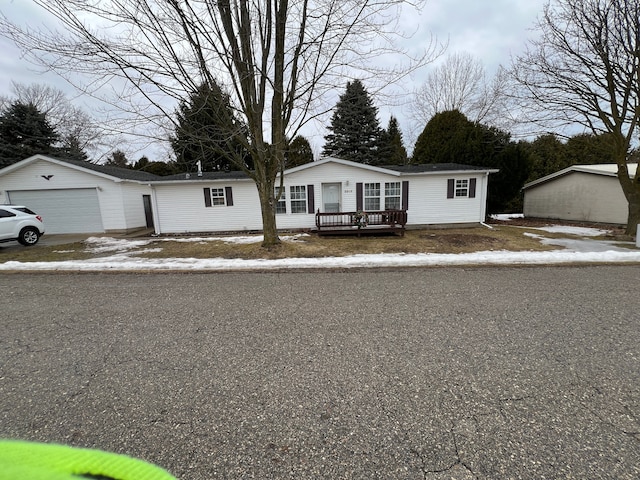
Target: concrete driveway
<point>463,373</point>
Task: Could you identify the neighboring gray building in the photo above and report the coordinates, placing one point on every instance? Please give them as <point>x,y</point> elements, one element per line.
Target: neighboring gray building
<point>584,193</point>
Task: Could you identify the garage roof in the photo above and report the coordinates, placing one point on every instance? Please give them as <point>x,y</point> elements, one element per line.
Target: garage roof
<point>605,169</point>
<point>102,170</point>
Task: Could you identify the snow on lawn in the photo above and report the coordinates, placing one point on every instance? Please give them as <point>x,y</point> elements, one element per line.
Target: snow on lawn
<point>580,231</point>
<point>123,257</point>
<point>124,262</point>
<point>506,216</point>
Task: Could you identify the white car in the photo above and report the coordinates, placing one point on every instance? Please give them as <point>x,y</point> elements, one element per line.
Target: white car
<point>21,224</point>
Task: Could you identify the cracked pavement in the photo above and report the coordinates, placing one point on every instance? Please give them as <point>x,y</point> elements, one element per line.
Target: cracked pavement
<point>442,373</point>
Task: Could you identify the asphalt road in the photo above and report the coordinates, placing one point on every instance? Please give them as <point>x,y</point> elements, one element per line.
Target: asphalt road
<point>443,373</point>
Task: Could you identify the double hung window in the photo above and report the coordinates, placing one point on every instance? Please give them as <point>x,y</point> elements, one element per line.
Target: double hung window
<point>217,196</point>
<point>298,198</point>
<point>281,205</point>
<point>462,188</point>
<point>392,196</point>
<point>372,196</point>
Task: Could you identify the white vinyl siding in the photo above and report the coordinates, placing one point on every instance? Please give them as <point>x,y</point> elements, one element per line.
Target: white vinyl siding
<point>180,208</point>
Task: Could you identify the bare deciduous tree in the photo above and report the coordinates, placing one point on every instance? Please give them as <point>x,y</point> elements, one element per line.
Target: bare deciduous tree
<point>277,58</point>
<point>585,69</point>
<point>74,126</point>
<point>461,83</point>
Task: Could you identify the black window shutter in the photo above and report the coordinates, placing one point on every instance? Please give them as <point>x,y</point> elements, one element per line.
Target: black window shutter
<point>405,195</point>
<point>451,183</point>
<point>311,202</point>
<point>229,195</point>
<point>207,197</point>
<point>472,188</point>
<point>358,196</point>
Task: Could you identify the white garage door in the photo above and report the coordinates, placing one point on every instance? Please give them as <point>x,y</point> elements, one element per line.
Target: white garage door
<point>63,211</point>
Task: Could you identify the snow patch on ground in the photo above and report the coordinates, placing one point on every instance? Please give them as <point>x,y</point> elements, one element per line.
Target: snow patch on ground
<point>580,231</point>
<point>123,255</point>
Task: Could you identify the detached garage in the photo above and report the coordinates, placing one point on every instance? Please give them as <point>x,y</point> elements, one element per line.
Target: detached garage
<point>79,197</point>
<point>583,193</point>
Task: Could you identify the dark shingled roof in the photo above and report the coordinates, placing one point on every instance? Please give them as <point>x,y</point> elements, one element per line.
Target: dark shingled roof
<point>432,167</point>
<point>231,175</point>
<point>118,172</point>
<point>237,175</point>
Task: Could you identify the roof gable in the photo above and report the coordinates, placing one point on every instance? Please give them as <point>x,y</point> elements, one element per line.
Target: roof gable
<point>396,170</point>
<point>603,169</point>
<point>339,161</point>
<point>105,171</point>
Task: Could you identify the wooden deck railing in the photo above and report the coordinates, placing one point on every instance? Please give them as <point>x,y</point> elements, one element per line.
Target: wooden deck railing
<point>357,223</point>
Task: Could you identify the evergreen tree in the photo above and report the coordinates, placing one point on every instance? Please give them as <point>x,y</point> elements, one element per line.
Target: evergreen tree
<point>298,153</point>
<point>547,154</point>
<point>589,149</point>
<point>24,131</point>
<point>355,130</point>
<point>445,139</point>
<point>157,168</point>
<point>118,159</point>
<point>450,137</point>
<point>392,151</point>
<point>71,148</point>
<point>207,131</point>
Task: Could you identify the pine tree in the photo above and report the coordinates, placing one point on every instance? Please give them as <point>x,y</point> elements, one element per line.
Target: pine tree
<point>207,131</point>
<point>392,151</point>
<point>118,159</point>
<point>445,139</point>
<point>298,153</point>
<point>547,154</point>
<point>355,130</point>
<point>24,131</point>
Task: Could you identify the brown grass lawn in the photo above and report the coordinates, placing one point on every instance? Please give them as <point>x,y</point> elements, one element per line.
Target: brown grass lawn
<point>459,240</point>
<point>414,241</point>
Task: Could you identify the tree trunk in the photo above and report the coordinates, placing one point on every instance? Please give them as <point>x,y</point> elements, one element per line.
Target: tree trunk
<point>633,218</point>
<point>268,209</point>
<point>631,189</point>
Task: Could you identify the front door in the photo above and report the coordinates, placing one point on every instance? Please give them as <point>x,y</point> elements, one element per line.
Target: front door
<point>331,197</point>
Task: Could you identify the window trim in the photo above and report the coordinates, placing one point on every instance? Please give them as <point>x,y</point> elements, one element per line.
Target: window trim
<point>218,198</point>
<point>227,195</point>
<point>377,197</point>
<point>404,194</point>
<point>397,198</point>
<point>282,202</point>
<point>299,196</point>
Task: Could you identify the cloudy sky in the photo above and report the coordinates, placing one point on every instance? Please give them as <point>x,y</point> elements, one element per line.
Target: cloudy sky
<point>491,31</point>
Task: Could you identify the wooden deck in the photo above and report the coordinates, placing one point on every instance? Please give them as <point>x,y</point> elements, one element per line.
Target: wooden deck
<point>361,223</point>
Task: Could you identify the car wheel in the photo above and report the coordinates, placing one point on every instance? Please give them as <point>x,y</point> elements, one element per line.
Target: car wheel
<point>29,236</point>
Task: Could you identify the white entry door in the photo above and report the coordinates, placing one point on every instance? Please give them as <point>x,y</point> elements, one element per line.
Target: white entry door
<point>331,197</point>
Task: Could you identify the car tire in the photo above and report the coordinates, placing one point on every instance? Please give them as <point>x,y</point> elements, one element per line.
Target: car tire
<point>29,236</point>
